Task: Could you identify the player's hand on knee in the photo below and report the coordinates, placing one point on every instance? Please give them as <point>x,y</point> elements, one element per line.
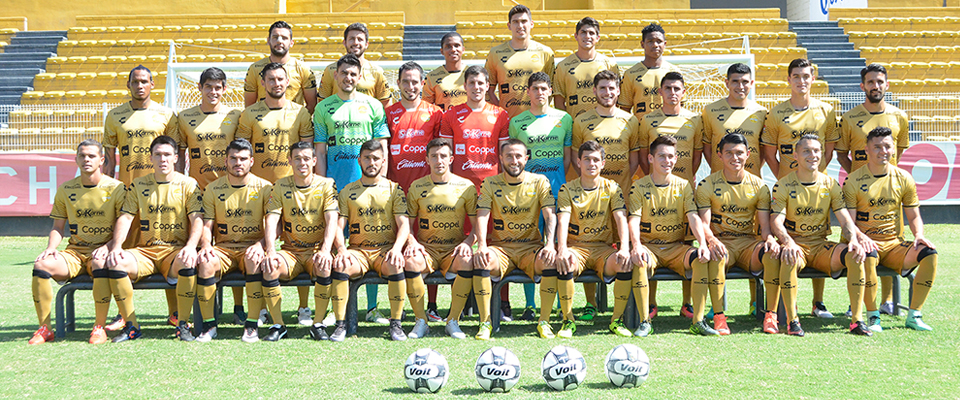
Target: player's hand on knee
<point>255,253</point>
<point>322,260</point>
<point>481,258</point>
<point>638,256</point>
<point>547,255</point>
<point>858,254</point>
<point>188,257</point>
<point>206,254</point>
<point>100,253</point>
<point>395,257</point>
<point>920,240</point>
<point>771,246</point>
<point>717,250</point>
<point>413,249</point>
<point>869,246</point>
<point>791,253</point>
<point>703,254</point>
<point>48,253</point>
<point>623,260</point>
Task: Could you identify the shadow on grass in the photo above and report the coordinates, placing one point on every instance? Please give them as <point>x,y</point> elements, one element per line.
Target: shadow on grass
<point>398,390</point>
<point>605,385</point>
<point>467,392</point>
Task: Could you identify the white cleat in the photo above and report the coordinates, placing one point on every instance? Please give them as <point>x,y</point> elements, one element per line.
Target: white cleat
<point>263,318</point>
<point>453,329</point>
<point>303,315</point>
<point>420,330</point>
<point>373,315</point>
<point>329,320</point>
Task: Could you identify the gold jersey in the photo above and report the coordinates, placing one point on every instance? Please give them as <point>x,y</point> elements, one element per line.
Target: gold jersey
<point>441,209</point>
<point>858,122</point>
<point>720,119</point>
<point>618,134</point>
<point>807,206</point>
<point>509,70</point>
<point>302,210</point>
<point>372,81</point>
<point>444,88</point>
<point>131,131</point>
<point>591,211</point>
<point>163,208</point>
<point>686,127</point>
<point>206,136</point>
<point>90,211</point>
<point>272,131</point>
<point>372,211</point>
<point>877,201</point>
<point>733,205</point>
<point>236,211</point>
<point>573,80</point>
<point>300,76</point>
<point>785,125</point>
<point>515,207</point>
<point>662,209</point>
<point>640,88</point>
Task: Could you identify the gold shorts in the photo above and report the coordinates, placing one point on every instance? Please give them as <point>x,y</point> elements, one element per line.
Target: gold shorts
<point>298,261</point>
<point>508,257</point>
<point>155,259</point>
<point>591,256</point>
<point>78,262</point>
<point>893,254</point>
<point>740,249</point>
<point>370,259</point>
<point>439,260</point>
<point>672,256</point>
<point>817,254</point>
<point>230,259</point>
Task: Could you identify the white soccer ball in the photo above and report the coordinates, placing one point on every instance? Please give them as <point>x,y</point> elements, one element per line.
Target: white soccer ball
<point>498,370</point>
<point>426,371</point>
<point>627,366</point>
<point>563,368</point>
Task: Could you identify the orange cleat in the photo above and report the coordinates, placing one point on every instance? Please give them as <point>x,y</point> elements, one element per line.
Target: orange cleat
<point>41,336</point>
<point>172,320</point>
<point>98,335</point>
<point>770,323</point>
<point>720,324</point>
<point>117,324</point>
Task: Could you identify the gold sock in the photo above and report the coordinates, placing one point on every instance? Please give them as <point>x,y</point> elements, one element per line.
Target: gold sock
<point>396,288</point>
<point>340,294</point>
<point>254,288</point>
<point>641,290</point>
<point>548,293</point>
<point>171,300</point>
<point>886,289</point>
<point>207,296</point>
<point>482,289</point>
<point>459,292</point>
<point>321,298</point>
<point>122,289</point>
<point>717,274</point>
<point>272,298</point>
<point>855,286</point>
<point>700,288</point>
<point>925,275</point>
<point>101,297</point>
<point>818,286</point>
<point>238,297</point>
<point>788,288</point>
<point>42,296</point>
<point>590,293</point>
<point>621,293</point>
<point>186,292</point>
<point>565,286</point>
<point>415,291</point>
<point>686,291</point>
<point>304,292</point>
<point>870,282</point>
<point>771,281</point>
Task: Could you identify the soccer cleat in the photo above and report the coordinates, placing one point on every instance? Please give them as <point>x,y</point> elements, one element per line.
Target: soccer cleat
<point>873,321</point>
<point>915,321</point>
<point>618,329</point>
<point>373,315</point>
<point>453,329</point>
<point>860,329</point>
<point>589,313</point>
<point>303,315</point>
<point>339,332</point>
<point>820,310</point>
<point>653,312</point>
<point>319,332</point>
<point>644,330</point>
<point>250,335</point>
<point>794,328</point>
<point>888,308</point>
<point>42,335</point>
<point>117,324</point>
<point>720,324</point>
<point>129,332</point>
<point>686,311</point>
<point>275,333</point>
<point>239,316</point>
<point>432,314</point>
<point>396,331</point>
<point>207,335</point>
<point>98,335</point>
<point>544,329</point>
<point>701,328</point>
<point>770,323</point>
<point>849,313</point>
<point>567,329</point>
<point>263,318</point>
<point>173,320</point>
<point>506,313</point>
<point>753,308</point>
<point>709,314</point>
<point>486,328</point>
<point>183,332</point>
<point>420,329</point>
<point>329,320</point>
<point>529,314</point>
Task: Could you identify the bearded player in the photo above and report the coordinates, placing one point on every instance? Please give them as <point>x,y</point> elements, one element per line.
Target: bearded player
<point>510,63</point>
<point>302,87</point>
<point>371,81</point>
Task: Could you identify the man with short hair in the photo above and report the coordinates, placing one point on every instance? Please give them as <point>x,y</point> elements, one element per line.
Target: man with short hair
<point>573,78</point>
<point>302,84</point>
<point>511,62</point>
<point>640,90</point>
<point>412,122</point>
<point>674,120</point>
<point>370,79</point>
<point>444,86</point>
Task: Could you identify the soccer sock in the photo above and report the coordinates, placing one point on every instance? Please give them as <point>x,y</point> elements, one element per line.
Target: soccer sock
<point>870,282</point>
<point>460,291</point>
<point>321,298</point>
<point>483,289</point>
<point>254,297</point>
<point>272,298</point>
<point>700,286</point>
<point>371,296</point>
<point>171,300</point>
<point>590,292</point>
<point>886,289</point>
<point>926,273</point>
<point>818,285</point>
<point>716,274</point>
<point>122,289</point>
<point>504,293</point>
<point>432,294</point>
<point>621,294</point>
<point>753,291</point>
<point>548,292</point>
<point>101,297</point>
<point>340,293</point>
<point>238,296</point>
<point>304,292</point>
<point>42,296</point>
<point>788,288</point>
<point>415,291</point>
<point>771,281</point>
<point>685,288</point>
<point>641,290</point>
<point>565,287</point>
<point>396,288</point>
<point>529,293</point>
<point>651,294</point>
<point>855,286</point>
<point>207,296</point>
<point>186,291</point>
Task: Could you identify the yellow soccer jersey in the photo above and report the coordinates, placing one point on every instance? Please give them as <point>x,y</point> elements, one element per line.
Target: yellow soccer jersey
<point>618,134</point>
<point>441,209</point>
<point>733,205</point>
<point>90,211</point>
<point>372,211</point>
<point>785,125</point>
<point>877,201</point>
<point>131,131</point>
<point>640,88</point>
<point>807,205</point>
<point>591,211</point>
<point>372,81</point>
<point>858,122</point>
<point>163,208</point>
<point>444,89</point>
<point>662,209</point>
<point>719,119</point>
<point>686,127</point>
<point>236,211</point>
<point>301,210</point>
<point>515,208</point>
<point>206,136</point>
<point>509,70</point>
<point>300,78</point>
<point>573,80</point>
<point>272,131</point>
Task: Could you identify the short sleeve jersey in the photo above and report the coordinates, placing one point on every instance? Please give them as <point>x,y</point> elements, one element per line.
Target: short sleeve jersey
<point>371,212</point>
<point>573,80</point>
<point>302,210</point>
<point>733,205</point>
<point>878,200</point>
<point>440,210</point>
<point>410,131</point>
<point>785,125</point>
<point>344,125</point>
<point>206,136</point>
<point>163,208</point>
<point>272,131</point>
<point>591,211</point>
<point>686,127</point>
<point>662,209</point>
<point>131,131</point>
<point>236,211</point>
<point>515,207</point>
<point>807,206</point>
<point>546,137</point>
<point>476,137</point>
<point>372,81</point>
<point>618,134</point>
<point>719,119</point>
<point>640,88</point>
<point>858,122</point>
<point>300,76</point>
<point>90,211</point>
<point>509,70</point>
<point>444,88</point>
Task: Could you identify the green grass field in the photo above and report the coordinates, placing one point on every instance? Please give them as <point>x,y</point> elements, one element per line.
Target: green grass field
<point>827,363</point>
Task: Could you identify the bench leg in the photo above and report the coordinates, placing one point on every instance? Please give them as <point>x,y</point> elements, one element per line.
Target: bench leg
<point>897,301</point>
<point>602,304</point>
<point>218,303</point>
<point>631,317</point>
<point>71,324</point>
<point>197,318</point>
<point>495,303</point>
<point>761,299</point>
<point>352,317</point>
<point>60,311</point>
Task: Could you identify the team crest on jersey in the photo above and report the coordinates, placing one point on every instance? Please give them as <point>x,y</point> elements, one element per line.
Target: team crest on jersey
<point>604,196</point>
<point>253,196</point>
<point>226,122</point>
<point>492,119</point>
<point>753,119</point>
<point>535,58</point>
<point>824,193</point>
<point>363,110</point>
<point>424,117</point>
<point>677,193</point>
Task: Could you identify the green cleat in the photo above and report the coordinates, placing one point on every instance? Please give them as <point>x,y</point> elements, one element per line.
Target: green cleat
<point>589,313</point>
<point>485,330</point>
<point>701,328</point>
<point>567,329</point>
<point>915,322</point>
<point>617,328</point>
<point>544,329</point>
<point>873,321</point>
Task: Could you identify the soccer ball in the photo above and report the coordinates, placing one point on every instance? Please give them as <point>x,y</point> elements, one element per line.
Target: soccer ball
<point>426,371</point>
<point>498,370</point>
<point>563,368</point>
<point>627,366</point>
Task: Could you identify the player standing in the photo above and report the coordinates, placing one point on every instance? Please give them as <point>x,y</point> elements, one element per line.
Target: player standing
<point>302,84</point>
<point>640,90</point>
<point>412,122</point>
<point>573,79</point>
<point>370,81</point>
<point>444,86</point>
<point>510,63</point>
<point>674,120</point>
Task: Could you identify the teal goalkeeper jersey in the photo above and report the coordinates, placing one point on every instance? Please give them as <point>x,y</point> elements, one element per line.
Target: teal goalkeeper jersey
<point>546,137</point>
<point>344,125</point>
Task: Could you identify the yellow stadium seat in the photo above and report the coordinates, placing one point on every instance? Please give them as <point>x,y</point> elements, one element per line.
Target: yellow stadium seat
<point>196,58</point>
<point>469,55</point>
<point>254,57</point>
<point>44,77</point>
<point>236,57</point>
<point>482,54</point>
<point>561,53</point>
<point>334,55</point>
<point>503,38</point>
<point>617,36</point>
<point>95,96</point>
<point>373,55</point>
<point>485,38</point>
<point>73,97</point>
<point>938,69</point>
<point>317,40</point>
<point>699,51</point>
<point>157,58</point>
<point>393,55</point>
<point>680,51</point>
<point>913,85</point>
<point>76,30</point>
<point>692,37</point>
<point>394,39</point>
<point>222,42</point>
<point>464,25</point>
<point>606,52</point>
<point>138,59</point>
<point>217,58</point>
<point>53,96</point>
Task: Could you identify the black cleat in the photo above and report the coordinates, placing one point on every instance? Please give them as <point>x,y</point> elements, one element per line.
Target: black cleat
<point>339,332</point>
<point>183,332</point>
<point>239,316</point>
<point>276,333</point>
<point>318,332</point>
<point>860,329</point>
<point>396,331</point>
<point>794,328</point>
<point>506,313</point>
<point>129,332</point>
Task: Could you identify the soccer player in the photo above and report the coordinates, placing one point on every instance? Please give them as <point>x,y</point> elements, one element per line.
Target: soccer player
<point>802,201</point>
<point>876,192</point>
<point>444,86</point>
<point>789,120</point>
<point>374,209</point>
<point>514,200</point>
<point>511,62</point>
<point>168,204</point>
<point>306,204</point>
<point>732,204</point>
<point>89,204</point>
<point>302,83</point>
<point>662,212</point>
<point>674,120</point>
<point>370,80</point>
<point>412,122</point>
<point>641,83</point>
<point>589,208</point>
<point>235,205</point>
<point>573,79</point>
<point>439,204</point>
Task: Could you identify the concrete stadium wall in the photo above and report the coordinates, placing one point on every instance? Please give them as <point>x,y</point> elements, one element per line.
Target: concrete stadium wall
<point>740,4</point>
